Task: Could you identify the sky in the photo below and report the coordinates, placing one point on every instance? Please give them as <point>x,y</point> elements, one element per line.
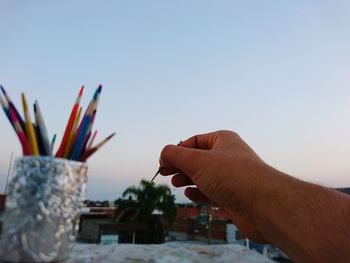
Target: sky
<point>276,72</point>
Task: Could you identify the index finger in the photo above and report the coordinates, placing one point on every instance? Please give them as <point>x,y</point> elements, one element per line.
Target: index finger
<point>201,141</point>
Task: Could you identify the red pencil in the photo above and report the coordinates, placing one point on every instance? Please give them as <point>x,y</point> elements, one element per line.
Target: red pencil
<point>70,124</point>
<point>11,105</point>
<point>20,133</point>
<point>91,151</point>
<point>92,140</point>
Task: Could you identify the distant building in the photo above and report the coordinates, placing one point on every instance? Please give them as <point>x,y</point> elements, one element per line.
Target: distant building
<point>200,223</point>
<point>100,225</point>
<point>212,225</point>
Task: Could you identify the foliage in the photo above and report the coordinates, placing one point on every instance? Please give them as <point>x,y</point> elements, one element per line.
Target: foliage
<point>149,198</point>
<point>142,202</point>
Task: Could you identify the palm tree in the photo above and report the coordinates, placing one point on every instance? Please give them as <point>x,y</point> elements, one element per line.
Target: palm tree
<point>149,198</point>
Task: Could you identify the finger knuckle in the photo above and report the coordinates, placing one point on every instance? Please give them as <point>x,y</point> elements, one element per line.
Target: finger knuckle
<point>227,133</point>
<point>166,152</point>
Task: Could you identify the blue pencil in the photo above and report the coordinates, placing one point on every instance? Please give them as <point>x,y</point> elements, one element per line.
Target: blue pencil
<point>96,94</point>
<point>79,144</point>
<point>83,130</point>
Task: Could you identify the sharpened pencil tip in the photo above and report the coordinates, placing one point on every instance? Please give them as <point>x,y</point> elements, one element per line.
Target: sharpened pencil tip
<point>111,136</point>
<point>96,94</point>
<point>3,102</point>
<point>3,89</point>
<point>81,91</point>
<point>24,101</point>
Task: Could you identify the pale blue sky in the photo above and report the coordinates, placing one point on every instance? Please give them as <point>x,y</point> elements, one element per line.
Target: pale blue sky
<point>277,72</point>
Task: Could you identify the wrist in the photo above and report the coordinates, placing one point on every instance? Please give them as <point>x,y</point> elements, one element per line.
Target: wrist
<point>272,191</point>
<point>278,214</point>
<point>307,221</point>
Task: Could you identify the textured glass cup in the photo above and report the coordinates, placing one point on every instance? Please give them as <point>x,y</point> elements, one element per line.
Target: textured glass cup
<point>43,200</point>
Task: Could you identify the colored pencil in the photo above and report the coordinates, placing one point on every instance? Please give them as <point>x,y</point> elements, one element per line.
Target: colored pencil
<point>84,127</point>
<point>95,106</point>
<point>29,128</point>
<point>42,129</point>
<point>93,150</point>
<point>89,108</point>
<point>70,124</point>
<point>20,133</point>
<point>11,115</point>
<point>87,138</point>
<point>6,109</point>
<point>78,138</point>
<point>78,146</point>
<point>92,140</point>
<point>53,141</point>
<point>68,150</point>
<point>11,105</point>
<point>39,141</point>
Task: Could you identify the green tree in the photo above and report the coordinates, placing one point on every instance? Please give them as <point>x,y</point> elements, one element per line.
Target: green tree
<point>148,198</point>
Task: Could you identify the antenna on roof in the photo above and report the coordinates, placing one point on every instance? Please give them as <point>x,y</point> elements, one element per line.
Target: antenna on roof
<point>9,172</point>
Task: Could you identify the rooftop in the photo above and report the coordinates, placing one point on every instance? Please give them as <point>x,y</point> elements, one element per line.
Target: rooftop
<point>169,252</point>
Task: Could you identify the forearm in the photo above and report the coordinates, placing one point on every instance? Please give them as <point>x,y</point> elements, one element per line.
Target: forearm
<point>309,222</point>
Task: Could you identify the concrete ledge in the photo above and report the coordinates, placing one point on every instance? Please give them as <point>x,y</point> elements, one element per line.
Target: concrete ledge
<point>167,253</point>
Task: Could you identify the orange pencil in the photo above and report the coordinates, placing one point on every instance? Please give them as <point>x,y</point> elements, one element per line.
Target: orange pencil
<point>72,135</point>
<point>70,125</point>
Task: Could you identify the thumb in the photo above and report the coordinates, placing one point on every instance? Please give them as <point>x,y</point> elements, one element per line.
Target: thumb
<point>187,160</point>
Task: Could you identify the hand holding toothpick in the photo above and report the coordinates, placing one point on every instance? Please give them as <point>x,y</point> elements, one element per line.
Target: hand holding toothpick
<point>160,168</point>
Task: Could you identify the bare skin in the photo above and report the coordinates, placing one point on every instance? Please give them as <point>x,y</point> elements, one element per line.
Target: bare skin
<point>310,223</point>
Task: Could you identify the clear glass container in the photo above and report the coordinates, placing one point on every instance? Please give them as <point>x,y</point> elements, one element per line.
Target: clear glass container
<point>43,201</point>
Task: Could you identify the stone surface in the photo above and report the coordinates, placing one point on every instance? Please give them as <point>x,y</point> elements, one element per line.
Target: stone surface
<point>167,253</point>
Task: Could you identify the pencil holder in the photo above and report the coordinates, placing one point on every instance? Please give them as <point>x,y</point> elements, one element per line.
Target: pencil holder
<point>42,203</point>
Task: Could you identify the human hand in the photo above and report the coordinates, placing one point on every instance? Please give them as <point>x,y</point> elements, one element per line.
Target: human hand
<point>264,203</point>
<point>226,171</point>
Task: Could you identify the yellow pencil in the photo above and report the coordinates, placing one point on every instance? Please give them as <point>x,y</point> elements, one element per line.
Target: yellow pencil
<point>33,144</point>
<point>72,135</point>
